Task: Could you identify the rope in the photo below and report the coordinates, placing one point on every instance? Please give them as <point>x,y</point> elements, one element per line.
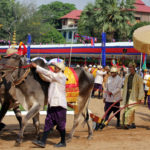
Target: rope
<point>8,66</point>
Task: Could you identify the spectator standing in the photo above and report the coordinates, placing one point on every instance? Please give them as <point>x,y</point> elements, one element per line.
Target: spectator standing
<point>113,94</point>
<point>98,81</point>
<point>133,92</point>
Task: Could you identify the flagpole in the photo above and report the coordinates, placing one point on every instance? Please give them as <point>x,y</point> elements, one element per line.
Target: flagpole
<point>28,48</point>
<point>71,50</point>
<point>103,53</point>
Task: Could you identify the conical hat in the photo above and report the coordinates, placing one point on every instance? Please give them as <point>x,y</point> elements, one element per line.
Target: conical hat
<point>113,69</point>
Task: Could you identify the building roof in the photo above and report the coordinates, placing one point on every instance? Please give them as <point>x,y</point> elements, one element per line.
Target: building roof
<point>75,14</point>
<point>141,7</point>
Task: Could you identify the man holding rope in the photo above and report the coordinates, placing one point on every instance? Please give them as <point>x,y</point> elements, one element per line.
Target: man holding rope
<point>57,104</point>
<point>112,94</point>
<point>133,92</point>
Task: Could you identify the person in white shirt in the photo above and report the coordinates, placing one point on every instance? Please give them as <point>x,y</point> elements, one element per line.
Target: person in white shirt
<point>146,88</point>
<point>113,94</point>
<point>57,104</point>
<point>90,67</point>
<point>98,81</point>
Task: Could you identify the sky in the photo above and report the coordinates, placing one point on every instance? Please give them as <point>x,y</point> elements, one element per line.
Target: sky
<point>80,4</point>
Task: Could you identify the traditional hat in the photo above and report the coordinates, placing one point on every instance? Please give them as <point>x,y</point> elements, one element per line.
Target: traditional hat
<point>60,65</point>
<point>86,68</point>
<point>90,66</point>
<point>132,64</point>
<point>99,67</point>
<point>107,67</point>
<point>77,65</point>
<point>113,69</point>
<point>145,70</point>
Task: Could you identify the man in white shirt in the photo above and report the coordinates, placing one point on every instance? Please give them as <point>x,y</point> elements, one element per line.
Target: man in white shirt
<point>113,94</point>
<point>98,81</point>
<point>57,104</point>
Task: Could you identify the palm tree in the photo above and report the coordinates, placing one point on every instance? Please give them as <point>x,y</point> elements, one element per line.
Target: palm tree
<point>86,22</point>
<point>110,16</point>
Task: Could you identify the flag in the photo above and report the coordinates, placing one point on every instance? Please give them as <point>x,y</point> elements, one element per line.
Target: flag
<point>76,35</point>
<point>144,61</point>
<point>92,42</point>
<point>113,62</point>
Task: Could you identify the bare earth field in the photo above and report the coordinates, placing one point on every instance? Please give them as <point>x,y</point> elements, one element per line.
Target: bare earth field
<point>109,138</point>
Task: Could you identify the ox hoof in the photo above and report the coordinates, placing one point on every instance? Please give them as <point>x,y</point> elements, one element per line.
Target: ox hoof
<point>68,139</point>
<point>2,125</point>
<point>18,142</point>
<point>90,137</point>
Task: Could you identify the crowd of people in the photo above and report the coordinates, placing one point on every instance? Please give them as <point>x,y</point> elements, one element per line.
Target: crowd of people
<point>123,86</point>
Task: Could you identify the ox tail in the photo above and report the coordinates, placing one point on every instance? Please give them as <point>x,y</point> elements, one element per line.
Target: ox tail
<point>86,82</point>
<point>87,115</point>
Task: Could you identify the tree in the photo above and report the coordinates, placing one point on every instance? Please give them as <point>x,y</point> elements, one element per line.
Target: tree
<point>86,21</point>
<point>14,16</point>
<point>40,32</point>
<point>136,26</point>
<point>51,35</point>
<point>7,18</point>
<point>109,16</point>
<point>52,12</point>
<point>27,19</point>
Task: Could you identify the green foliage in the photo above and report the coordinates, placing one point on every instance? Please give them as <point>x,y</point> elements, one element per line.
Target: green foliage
<point>51,13</point>
<point>86,22</point>
<point>27,19</point>
<point>109,16</point>
<point>136,26</point>
<point>52,36</point>
<point>7,18</point>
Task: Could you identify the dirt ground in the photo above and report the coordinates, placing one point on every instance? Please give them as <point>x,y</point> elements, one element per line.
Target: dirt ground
<point>109,138</point>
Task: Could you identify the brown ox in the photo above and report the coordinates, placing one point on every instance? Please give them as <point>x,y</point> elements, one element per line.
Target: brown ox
<point>31,91</point>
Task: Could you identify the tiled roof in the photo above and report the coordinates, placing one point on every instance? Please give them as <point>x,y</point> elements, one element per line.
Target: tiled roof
<point>140,2</point>
<point>141,7</point>
<point>75,14</point>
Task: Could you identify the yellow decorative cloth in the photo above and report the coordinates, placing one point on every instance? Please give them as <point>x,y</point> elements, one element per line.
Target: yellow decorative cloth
<point>72,86</point>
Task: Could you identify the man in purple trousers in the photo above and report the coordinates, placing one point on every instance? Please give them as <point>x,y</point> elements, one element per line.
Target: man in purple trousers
<point>57,104</point>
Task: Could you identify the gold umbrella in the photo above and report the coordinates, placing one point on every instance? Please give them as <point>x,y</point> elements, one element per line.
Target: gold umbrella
<point>141,39</point>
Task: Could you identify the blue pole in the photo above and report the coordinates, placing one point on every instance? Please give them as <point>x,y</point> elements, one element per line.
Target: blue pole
<point>103,49</point>
<point>28,48</point>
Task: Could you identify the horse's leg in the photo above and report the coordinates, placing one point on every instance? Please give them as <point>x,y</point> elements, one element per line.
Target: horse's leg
<point>32,112</point>
<point>37,125</point>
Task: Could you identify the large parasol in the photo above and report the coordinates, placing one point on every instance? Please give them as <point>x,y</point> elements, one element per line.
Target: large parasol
<point>141,39</point>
